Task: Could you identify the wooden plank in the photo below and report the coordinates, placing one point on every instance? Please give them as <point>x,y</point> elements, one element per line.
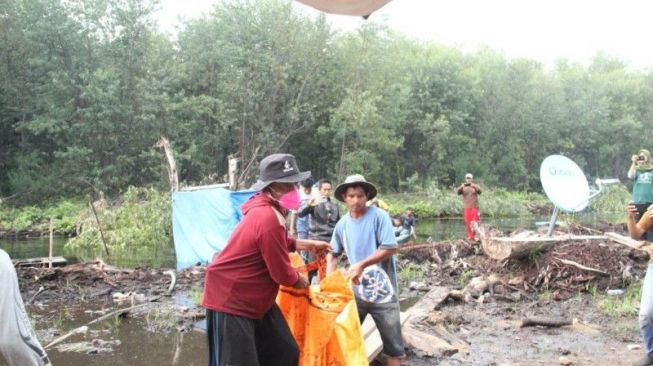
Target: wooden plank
<point>629,242</point>
<point>29,262</point>
<point>431,300</point>
<point>426,343</point>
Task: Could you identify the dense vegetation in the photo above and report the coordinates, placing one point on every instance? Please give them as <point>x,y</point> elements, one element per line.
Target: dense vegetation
<point>87,87</point>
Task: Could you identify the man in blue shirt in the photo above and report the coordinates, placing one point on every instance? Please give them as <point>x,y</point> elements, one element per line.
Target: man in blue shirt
<point>366,235</point>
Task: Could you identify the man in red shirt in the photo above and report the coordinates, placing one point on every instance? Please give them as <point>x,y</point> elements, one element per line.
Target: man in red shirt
<point>245,326</point>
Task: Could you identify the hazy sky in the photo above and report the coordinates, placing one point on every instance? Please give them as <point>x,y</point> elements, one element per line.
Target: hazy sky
<point>543,30</point>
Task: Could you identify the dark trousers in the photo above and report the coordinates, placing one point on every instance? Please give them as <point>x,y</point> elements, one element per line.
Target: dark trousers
<point>234,340</point>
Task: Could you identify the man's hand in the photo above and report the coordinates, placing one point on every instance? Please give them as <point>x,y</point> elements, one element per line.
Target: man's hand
<point>320,247</point>
<point>631,209</point>
<point>302,282</point>
<point>355,272</point>
<point>313,202</point>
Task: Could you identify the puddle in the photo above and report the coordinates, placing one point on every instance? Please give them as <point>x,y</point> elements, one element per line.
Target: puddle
<point>132,344</point>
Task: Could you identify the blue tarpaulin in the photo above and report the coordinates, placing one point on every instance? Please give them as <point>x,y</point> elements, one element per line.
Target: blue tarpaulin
<point>202,222</point>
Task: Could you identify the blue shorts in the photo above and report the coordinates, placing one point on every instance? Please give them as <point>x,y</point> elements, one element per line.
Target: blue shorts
<point>386,318</point>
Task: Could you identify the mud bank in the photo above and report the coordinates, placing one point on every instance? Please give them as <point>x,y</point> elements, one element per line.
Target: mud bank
<point>483,326</point>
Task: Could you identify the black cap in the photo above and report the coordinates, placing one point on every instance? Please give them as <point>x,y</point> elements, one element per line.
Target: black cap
<point>280,168</point>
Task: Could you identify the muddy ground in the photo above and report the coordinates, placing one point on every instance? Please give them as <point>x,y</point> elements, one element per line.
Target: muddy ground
<point>485,329</point>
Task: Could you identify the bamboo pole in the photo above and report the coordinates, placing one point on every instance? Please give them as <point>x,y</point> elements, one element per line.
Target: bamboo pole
<point>50,245</point>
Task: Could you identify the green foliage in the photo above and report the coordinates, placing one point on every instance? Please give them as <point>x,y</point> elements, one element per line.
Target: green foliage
<point>196,296</point>
<point>613,199</point>
<point>137,229</point>
<point>593,289</point>
<point>437,202</point>
<point>534,254</point>
<point>87,87</point>
<point>32,218</point>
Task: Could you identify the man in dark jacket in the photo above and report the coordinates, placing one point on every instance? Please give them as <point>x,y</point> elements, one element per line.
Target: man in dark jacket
<point>324,212</point>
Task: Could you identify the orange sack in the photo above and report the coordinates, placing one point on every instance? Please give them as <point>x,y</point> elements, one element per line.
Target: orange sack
<point>323,320</point>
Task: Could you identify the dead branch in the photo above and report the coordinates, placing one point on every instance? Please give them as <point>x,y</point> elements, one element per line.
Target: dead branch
<point>83,328</point>
<point>164,143</point>
<point>245,171</point>
<point>532,322</point>
<point>580,266</point>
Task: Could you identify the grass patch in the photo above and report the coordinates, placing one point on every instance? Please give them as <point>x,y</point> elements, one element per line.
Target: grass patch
<point>465,277</point>
<point>196,296</point>
<point>546,295</point>
<point>621,306</point>
<point>161,320</point>
<point>411,272</point>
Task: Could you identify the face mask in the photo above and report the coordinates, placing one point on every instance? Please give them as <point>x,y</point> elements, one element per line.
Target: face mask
<point>291,200</point>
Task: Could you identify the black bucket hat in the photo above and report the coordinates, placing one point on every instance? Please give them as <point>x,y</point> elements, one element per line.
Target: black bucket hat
<point>355,180</point>
<point>280,168</point>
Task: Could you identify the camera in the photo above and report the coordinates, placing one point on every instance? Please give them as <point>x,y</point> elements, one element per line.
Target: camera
<point>641,157</point>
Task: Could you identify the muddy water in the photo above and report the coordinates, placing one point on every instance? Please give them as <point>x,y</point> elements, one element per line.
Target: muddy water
<point>138,345</point>
<point>436,230</point>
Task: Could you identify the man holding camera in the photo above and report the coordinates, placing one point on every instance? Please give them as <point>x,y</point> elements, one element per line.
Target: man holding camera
<point>324,213</point>
<point>470,191</point>
<point>641,171</point>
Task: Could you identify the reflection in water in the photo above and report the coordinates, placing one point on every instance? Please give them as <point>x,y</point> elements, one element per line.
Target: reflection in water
<point>32,248</point>
<point>454,228</point>
<point>138,347</point>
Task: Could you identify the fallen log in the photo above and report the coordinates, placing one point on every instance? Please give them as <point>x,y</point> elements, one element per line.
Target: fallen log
<point>502,248</point>
<point>426,343</point>
<point>532,322</point>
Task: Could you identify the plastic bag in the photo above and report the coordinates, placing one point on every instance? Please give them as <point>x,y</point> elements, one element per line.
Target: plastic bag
<point>323,319</point>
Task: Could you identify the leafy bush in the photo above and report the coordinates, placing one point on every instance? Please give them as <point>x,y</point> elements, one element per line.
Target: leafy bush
<point>33,218</point>
<point>438,202</point>
<point>613,199</point>
<point>137,229</point>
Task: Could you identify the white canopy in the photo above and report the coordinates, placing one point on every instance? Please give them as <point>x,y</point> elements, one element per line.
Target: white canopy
<point>346,7</point>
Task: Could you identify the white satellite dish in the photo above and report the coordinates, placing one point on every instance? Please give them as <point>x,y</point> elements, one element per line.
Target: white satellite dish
<point>564,183</point>
<point>566,186</point>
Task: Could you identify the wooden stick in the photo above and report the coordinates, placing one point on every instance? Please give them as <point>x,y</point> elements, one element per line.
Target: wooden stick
<point>580,266</point>
<point>50,246</point>
<point>531,322</point>
<point>41,289</point>
<point>99,227</point>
